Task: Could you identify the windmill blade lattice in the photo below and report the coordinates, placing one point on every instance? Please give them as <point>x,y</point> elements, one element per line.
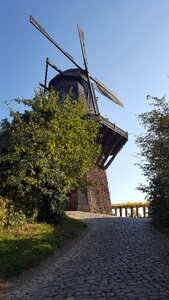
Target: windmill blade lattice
<point>39,27</point>
<point>91,89</point>
<point>81,37</point>
<point>100,87</point>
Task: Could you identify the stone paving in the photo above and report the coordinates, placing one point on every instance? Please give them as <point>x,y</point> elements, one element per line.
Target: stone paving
<point>117,259</point>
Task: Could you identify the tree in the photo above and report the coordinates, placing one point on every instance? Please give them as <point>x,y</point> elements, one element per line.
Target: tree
<point>154,145</point>
<point>45,151</point>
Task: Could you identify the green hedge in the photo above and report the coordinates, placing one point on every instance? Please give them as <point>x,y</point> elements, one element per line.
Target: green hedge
<point>10,217</point>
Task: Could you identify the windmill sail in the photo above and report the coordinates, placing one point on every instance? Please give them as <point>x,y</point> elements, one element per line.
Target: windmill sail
<point>100,87</point>
<point>81,37</point>
<point>91,89</point>
<point>39,27</point>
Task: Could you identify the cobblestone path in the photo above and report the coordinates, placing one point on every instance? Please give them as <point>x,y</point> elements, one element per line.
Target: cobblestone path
<point>117,259</point>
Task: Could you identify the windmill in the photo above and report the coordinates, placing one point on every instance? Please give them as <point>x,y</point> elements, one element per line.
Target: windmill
<point>84,85</point>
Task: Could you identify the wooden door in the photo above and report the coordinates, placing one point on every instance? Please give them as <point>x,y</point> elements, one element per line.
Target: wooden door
<point>73,200</point>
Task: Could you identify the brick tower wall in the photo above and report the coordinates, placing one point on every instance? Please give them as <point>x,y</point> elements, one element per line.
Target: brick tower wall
<point>98,192</point>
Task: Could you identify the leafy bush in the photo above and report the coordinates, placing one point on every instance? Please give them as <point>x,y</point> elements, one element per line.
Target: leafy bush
<point>154,145</point>
<point>10,217</point>
<point>46,151</point>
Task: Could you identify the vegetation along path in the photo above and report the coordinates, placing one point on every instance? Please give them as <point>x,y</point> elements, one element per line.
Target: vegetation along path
<point>118,258</point>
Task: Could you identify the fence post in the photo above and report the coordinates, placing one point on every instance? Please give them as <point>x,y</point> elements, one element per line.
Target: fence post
<point>137,212</point>
<point>144,212</point>
<point>131,211</point>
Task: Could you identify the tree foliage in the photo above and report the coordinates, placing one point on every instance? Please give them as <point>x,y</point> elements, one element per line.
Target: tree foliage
<point>154,145</point>
<point>45,151</point>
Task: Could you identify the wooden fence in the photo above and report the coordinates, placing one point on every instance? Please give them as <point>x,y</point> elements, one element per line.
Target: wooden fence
<point>135,210</point>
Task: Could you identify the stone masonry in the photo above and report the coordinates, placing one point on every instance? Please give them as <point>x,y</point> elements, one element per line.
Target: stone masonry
<point>98,192</point>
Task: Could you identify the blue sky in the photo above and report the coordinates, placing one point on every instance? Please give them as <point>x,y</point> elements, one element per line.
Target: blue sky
<point>127,45</point>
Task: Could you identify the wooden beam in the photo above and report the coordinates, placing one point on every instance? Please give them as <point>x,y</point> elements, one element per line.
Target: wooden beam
<point>105,147</point>
<point>113,156</point>
<point>109,153</point>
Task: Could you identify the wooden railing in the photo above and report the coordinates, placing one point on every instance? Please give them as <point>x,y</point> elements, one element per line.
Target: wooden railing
<point>133,210</point>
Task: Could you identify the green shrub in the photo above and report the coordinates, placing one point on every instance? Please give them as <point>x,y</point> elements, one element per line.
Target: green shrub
<point>46,151</point>
<point>154,158</point>
<point>10,217</point>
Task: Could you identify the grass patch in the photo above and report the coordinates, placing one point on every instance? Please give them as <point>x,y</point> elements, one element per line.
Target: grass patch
<point>25,246</point>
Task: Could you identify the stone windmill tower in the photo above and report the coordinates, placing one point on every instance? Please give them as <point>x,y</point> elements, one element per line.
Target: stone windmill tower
<point>96,197</point>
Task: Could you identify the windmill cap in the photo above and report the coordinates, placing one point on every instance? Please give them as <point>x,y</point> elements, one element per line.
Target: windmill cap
<point>69,73</point>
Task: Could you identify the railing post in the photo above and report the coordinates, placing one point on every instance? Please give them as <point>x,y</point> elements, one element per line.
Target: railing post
<point>137,212</point>
<point>140,209</point>
<point>144,211</point>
